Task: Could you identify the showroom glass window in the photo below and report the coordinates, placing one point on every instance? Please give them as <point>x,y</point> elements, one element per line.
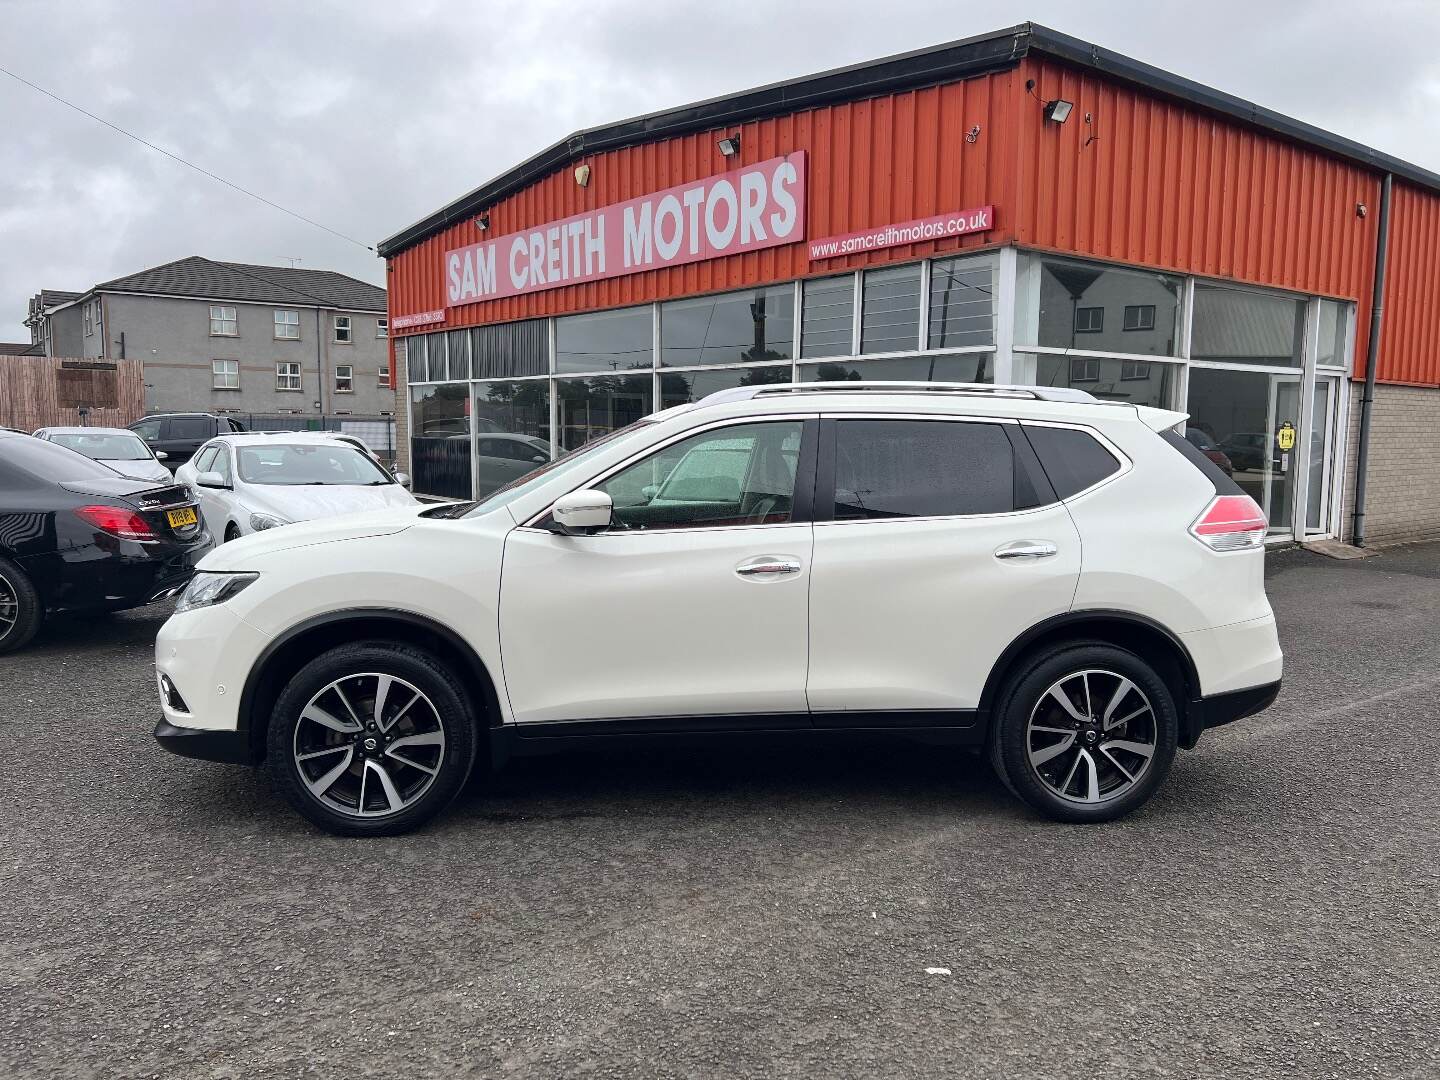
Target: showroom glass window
<point>751,326</point>
<point>591,407</point>
<point>890,309</point>
<point>1099,308</point>
<point>922,367</point>
<point>622,340</point>
<point>511,431</point>
<point>962,303</point>
<point>1245,326</point>
<point>682,387</point>
<point>827,316</point>
<point>440,440</point>
<point>1135,382</point>
<point>742,474</point>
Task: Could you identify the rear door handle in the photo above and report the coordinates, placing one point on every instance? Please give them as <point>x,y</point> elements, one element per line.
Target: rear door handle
<point>768,566</point>
<point>1026,549</point>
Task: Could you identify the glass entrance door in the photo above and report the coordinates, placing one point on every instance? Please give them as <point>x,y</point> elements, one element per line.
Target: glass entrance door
<point>1324,424</point>
<point>1248,423</point>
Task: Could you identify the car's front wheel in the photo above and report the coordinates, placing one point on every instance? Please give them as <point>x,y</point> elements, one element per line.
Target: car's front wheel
<point>371,739</point>
<point>1085,732</point>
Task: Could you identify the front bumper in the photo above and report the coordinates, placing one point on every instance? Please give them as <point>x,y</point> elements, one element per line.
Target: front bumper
<point>230,747</point>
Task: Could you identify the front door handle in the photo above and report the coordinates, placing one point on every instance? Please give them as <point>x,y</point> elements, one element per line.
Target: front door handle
<point>1026,549</point>
<point>765,567</point>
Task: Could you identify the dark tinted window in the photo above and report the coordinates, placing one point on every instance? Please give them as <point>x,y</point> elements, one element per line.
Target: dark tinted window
<point>1194,454</point>
<point>49,461</point>
<point>921,468</point>
<point>1072,459</point>
<point>190,427</point>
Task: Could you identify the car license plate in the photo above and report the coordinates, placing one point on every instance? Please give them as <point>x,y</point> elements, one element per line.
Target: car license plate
<point>180,518</point>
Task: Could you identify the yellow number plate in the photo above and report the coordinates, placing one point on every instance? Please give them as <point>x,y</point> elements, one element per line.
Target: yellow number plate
<point>180,518</point>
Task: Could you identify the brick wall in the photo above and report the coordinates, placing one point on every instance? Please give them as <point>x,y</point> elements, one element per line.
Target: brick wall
<point>1402,502</point>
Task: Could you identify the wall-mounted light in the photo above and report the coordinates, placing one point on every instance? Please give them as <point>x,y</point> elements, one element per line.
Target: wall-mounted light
<point>482,221</point>
<point>973,135</point>
<point>1361,209</point>
<point>1058,110</point>
<point>582,176</point>
<point>730,145</point>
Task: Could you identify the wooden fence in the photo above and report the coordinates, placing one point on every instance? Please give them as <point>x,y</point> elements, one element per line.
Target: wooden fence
<point>51,391</point>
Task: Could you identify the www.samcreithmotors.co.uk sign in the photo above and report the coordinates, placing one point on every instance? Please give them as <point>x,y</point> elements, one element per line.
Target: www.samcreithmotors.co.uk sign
<point>756,207</point>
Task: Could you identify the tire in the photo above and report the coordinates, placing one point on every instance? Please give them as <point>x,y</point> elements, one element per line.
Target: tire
<point>357,794</point>
<point>1084,763</point>
<point>21,611</point>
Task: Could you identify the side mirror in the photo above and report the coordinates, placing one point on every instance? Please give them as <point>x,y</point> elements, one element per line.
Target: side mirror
<point>581,513</point>
<point>211,480</point>
<point>403,479</point>
<point>161,455</point>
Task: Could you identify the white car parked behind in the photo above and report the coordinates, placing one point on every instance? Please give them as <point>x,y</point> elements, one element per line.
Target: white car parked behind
<point>119,448</point>
<point>247,483</point>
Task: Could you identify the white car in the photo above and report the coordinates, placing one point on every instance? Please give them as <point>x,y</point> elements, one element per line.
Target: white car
<point>1065,585</point>
<point>253,481</point>
<point>119,448</point>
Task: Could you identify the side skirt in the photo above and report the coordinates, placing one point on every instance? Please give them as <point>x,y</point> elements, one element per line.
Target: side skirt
<point>938,727</point>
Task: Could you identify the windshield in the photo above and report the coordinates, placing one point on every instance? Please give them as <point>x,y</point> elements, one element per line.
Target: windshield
<point>106,447</point>
<point>558,467</point>
<point>314,464</point>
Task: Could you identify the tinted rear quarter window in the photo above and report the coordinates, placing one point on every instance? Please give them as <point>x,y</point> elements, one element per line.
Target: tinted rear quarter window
<point>190,427</point>
<point>1073,460</point>
<point>1224,485</point>
<point>921,468</point>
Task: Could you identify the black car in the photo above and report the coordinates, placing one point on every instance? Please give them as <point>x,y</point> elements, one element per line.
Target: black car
<point>76,536</point>
<point>180,435</point>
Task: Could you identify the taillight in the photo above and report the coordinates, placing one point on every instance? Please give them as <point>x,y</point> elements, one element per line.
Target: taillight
<point>1230,523</point>
<point>117,521</point>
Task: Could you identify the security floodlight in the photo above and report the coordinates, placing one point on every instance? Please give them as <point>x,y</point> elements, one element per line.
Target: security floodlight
<point>730,145</point>
<point>482,221</point>
<point>582,176</point>
<point>1058,110</point>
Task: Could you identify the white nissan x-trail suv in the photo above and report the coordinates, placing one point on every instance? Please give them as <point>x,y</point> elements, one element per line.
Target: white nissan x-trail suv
<point>1063,584</point>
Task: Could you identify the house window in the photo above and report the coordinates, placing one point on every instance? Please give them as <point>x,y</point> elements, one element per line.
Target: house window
<point>1132,370</point>
<point>225,374</point>
<point>1139,316</point>
<point>342,330</point>
<point>1089,320</point>
<point>344,378</point>
<point>382,328</point>
<point>287,325</point>
<point>88,311</point>
<point>384,378</point>
<point>287,376</point>
<point>222,322</point>
<point>1084,368</point>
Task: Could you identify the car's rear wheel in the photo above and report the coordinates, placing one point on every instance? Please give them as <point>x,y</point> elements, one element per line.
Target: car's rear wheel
<point>20,609</point>
<point>371,739</point>
<point>1085,732</point>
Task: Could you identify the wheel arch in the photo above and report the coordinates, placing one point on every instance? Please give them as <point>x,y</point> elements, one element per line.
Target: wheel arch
<point>1143,636</point>
<point>308,639</point>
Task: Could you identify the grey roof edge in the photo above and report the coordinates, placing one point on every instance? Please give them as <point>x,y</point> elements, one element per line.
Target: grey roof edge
<point>993,51</point>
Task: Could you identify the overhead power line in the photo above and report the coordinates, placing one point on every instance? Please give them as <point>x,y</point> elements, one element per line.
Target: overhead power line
<point>188,164</point>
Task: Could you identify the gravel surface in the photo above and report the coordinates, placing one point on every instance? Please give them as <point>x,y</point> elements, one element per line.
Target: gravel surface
<point>768,913</point>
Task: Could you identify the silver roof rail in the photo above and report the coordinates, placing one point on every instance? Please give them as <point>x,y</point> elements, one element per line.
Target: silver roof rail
<point>1030,393</point>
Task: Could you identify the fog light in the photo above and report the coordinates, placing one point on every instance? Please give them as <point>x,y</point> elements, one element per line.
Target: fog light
<point>172,697</point>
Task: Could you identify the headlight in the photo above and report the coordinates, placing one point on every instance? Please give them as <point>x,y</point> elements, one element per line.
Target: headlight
<point>261,522</point>
<point>207,589</point>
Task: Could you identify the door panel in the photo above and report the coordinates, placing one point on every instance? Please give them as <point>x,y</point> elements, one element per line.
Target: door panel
<point>913,614</point>
<point>637,624</point>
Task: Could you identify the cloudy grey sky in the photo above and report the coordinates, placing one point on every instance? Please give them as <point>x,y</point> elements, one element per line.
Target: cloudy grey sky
<point>368,114</point>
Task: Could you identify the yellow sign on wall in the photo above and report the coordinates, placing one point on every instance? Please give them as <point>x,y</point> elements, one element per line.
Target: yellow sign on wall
<point>1285,437</point>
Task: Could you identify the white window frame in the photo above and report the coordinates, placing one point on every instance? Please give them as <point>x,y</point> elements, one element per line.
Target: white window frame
<point>88,312</point>
<point>348,378</point>
<point>382,328</point>
<point>349,328</point>
<point>285,370</point>
<point>225,374</point>
<point>383,375</point>
<point>227,316</point>
<point>283,326</point>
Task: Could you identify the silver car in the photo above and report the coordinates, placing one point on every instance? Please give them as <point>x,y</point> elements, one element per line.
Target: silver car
<point>119,448</point>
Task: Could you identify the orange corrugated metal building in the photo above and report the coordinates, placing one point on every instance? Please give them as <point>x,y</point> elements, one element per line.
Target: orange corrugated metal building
<point>1120,229</point>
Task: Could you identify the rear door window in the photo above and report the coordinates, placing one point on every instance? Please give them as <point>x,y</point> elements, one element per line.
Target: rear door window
<point>189,428</point>
<point>1073,459</point>
<point>922,468</point>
